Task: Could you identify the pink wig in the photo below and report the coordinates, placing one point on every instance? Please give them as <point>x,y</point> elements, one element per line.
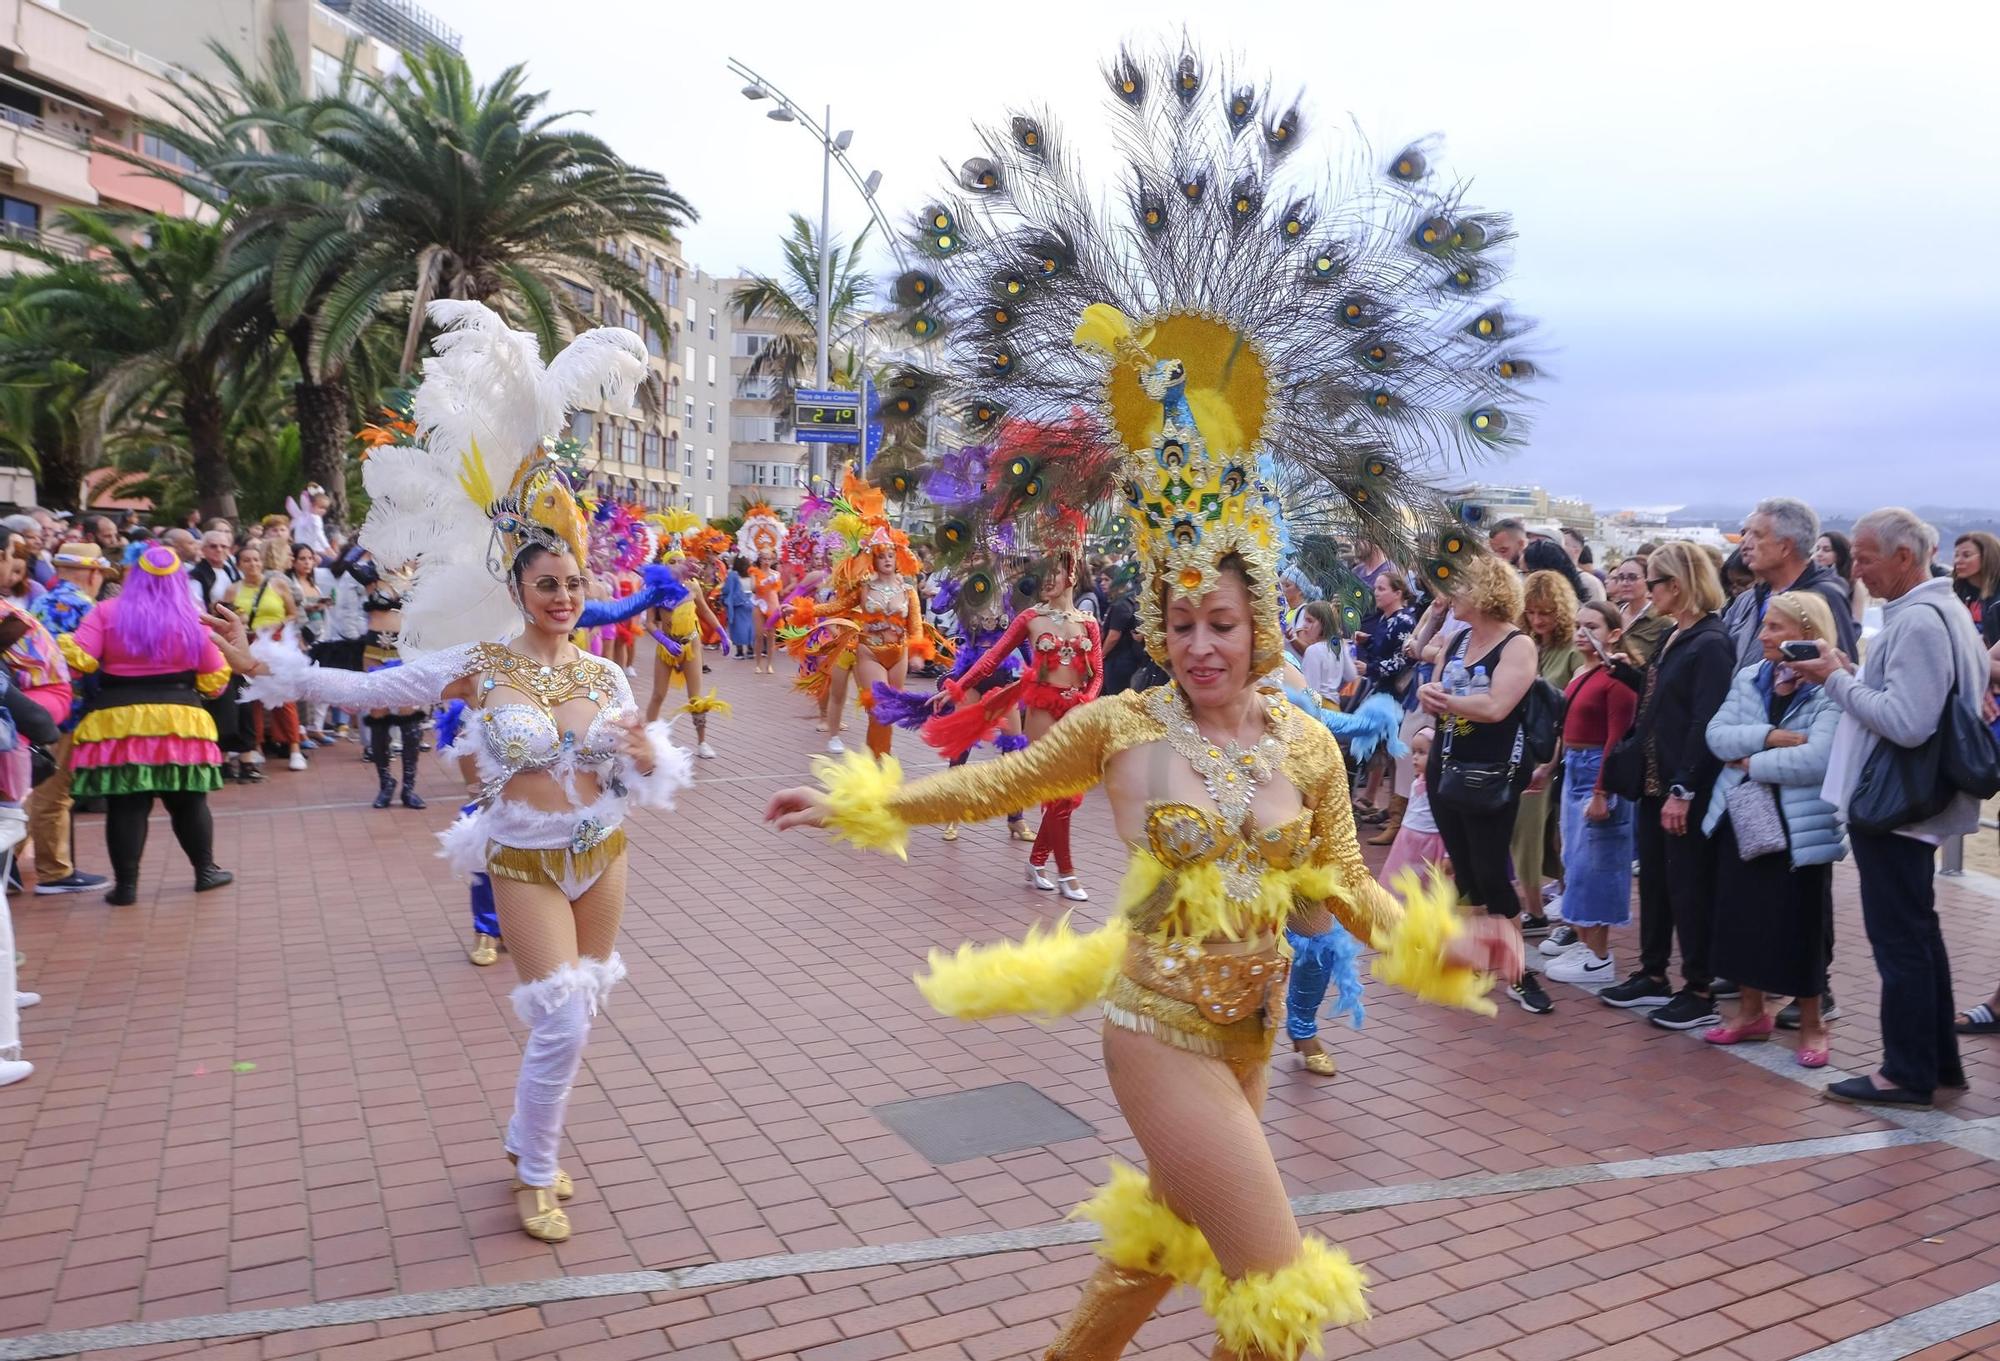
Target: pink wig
<point>156,615</point>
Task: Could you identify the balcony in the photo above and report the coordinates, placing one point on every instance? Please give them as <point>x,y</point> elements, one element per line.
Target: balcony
<point>55,163</point>
<point>404,26</point>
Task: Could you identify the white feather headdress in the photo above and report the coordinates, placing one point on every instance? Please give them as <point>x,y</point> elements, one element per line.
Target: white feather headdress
<point>477,486</point>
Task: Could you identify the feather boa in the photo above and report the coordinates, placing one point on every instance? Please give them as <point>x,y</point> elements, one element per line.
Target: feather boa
<point>1338,955</point>
<point>1412,951</point>
<point>901,708</point>
<point>1047,973</point>
<point>1373,727</point>
<point>673,770</point>
<point>858,791</point>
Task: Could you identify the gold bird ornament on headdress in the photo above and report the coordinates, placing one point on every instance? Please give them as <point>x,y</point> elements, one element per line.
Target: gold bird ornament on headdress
<point>1264,356</point>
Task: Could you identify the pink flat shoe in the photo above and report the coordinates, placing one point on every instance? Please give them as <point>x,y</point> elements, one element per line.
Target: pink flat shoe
<point>1759,1029</point>
<point>1812,1058</point>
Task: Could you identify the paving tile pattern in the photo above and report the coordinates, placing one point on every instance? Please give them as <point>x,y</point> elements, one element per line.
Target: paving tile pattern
<point>724,1113</point>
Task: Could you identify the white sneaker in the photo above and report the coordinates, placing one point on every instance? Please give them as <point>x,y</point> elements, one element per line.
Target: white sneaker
<point>705,752</point>
<point>297,761</point>
<point>1583,966</point>
<point>1552,908</point>
<point>13,1070</point>
<point>835,745</point>
<point>24,1000</point>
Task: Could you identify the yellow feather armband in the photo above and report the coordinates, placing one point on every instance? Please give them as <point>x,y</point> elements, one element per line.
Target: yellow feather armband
<point>706,704</point>
<point>1049,973</point>
<point>858,791</point>
<point>1412,952</point>
<point>1285,1312</point>
<point>1141,1233</point>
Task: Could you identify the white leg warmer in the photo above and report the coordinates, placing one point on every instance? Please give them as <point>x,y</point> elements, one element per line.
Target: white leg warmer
<point>558,1010</point>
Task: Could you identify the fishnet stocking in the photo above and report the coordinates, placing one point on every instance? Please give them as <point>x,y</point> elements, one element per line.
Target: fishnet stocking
<point>1199,1122</point>
<point>545,931</point>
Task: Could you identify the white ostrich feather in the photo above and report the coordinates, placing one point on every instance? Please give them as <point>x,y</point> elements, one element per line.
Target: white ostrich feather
<point>484,385</point>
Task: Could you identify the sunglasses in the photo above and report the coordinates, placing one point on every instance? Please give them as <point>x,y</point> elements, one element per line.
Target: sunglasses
<point>1654,583</point>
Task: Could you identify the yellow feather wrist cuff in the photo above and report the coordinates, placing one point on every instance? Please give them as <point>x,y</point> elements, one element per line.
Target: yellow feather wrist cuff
<point>858,791</point>
<point>1285,1312</point>
<point>1141,1233</point>
<point>1412,952</point>
<point>1048,973</point>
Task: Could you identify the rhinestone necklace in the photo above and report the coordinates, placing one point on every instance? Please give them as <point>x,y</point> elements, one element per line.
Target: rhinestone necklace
<point>1231,773</point>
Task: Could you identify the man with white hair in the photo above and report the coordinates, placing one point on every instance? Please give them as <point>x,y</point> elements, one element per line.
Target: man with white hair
<point>1926,657</point>
<point>1779,537</point>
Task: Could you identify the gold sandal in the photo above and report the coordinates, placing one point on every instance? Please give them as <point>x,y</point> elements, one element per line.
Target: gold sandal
<point>1019,830</point>
<point>541,1213</point>
<point>1320,1064</point>
<point>485,950</point>
<point>563,1186</point>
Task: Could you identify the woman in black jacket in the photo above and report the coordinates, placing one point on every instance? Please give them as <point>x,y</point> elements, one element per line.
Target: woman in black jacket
<point>1675,773</point>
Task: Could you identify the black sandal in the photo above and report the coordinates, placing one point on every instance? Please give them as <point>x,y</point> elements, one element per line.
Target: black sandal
<point>1978,1020</point>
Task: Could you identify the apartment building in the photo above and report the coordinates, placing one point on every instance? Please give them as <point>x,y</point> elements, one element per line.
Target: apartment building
<point>704,397</point>
<point>319,32</point>
<point>628,447</point>
<point>67,92</point>
<point>765,463</point>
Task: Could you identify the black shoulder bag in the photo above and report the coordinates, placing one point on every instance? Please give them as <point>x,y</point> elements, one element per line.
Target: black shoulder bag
<point>1900,786</point>
<point>1476,786</point>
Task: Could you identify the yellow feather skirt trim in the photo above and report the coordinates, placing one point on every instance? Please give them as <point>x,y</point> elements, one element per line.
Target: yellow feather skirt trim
<point>858,791</point>
<point>684,622</point>
<point>147,720</point>
<point>1412,952</point>
<point>706,704</point>
<point>1141,1233</point>
<point>1285,1312</point>
<point>1048,973</point>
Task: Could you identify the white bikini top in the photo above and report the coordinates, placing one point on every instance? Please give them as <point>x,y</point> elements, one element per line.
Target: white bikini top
<point>517,738</point>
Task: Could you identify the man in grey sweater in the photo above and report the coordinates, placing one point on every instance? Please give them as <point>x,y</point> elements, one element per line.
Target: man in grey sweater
<point>1927,647</point>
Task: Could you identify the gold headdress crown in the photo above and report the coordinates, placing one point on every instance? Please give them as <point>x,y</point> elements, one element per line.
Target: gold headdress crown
<point>538,509</point>
<point>1186,396</point>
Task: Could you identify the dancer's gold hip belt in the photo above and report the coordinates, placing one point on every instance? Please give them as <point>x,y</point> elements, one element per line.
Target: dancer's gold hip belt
<point>1215,1002</point>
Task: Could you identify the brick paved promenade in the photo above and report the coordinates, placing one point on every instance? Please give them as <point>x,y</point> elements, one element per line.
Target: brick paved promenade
<point>1537,1206</point>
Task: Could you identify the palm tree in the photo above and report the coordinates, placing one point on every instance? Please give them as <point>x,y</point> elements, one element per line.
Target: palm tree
<point>787,304</point>
<point>41,392</point>
<point>140,303</point>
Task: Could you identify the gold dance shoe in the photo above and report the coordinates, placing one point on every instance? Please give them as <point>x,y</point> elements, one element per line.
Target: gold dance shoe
<point>485,950</point>
<point>542,1214</point>
<point>1321,1064</point>
<point>1019,830</point>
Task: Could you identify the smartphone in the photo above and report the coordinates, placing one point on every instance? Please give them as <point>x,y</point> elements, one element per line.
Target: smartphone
<point>1798,650</point>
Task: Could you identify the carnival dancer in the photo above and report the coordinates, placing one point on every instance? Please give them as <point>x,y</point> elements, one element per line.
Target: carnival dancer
<point>146,734</point>
<point>678,633</point>
<point>972,600</point>
<point>555,733</point>
<point>1064,671</point>
<point>762,538</point>
<point>876,619</point>
<point>1281,343</point>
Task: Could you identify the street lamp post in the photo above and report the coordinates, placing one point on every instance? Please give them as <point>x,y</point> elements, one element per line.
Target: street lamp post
<point>833,148</point>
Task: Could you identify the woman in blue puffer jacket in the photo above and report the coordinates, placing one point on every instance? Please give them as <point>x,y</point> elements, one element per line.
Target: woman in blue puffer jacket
<point>1776,731</point>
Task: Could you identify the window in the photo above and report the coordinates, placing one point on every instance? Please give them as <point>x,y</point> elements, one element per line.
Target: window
<point>673,393</point>
<point>20,218</point>
<point>687,411</point>
<point>653,344</point>
<point>708,507</point>
<point>580,426</point>
<point>711,418</point>
<point>748,345</point>
<point>633,258</point>
<point>652,459</point>
<point>759,389</point>
<point>325,75</point>
<point>687,456</point>
<point>711,323</point>
<point>656,279</point>
<point>585,299</point>
<point>687,500</point>
<point>711,369</point>
<point>628,443</point>
<point>754,429</point>
<point>628,319</point>
<point>152,146</point>
<point>687,362</point>
<point>674,289</point>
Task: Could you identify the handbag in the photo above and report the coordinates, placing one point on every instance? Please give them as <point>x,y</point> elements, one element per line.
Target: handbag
<point>1477,786</point>
<point>1901,786</point>
<point>1756,819</point>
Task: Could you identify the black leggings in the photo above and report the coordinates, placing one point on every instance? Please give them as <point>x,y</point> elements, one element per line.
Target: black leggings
<point>125,829</point>
<point>378,741</point>
<point>1481,848</point>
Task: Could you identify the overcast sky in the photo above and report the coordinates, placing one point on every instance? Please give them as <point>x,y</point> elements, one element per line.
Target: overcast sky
<point>1760,238</point>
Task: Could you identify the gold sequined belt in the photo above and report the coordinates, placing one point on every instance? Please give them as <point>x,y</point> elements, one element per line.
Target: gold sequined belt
<point>1226,1005</point>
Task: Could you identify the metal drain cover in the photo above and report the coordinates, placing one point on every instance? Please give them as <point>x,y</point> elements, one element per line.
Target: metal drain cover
<point>981,1123</point>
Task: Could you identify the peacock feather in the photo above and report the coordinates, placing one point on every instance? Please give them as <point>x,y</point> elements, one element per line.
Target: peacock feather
<point>1366,350</point>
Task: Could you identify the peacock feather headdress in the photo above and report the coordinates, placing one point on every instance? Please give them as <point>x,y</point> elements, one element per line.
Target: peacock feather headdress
<point>1253,351</point>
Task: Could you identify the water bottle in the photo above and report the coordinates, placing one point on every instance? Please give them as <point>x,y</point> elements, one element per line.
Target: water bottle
<point>1480,682</point>
<point>1455,678</point>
